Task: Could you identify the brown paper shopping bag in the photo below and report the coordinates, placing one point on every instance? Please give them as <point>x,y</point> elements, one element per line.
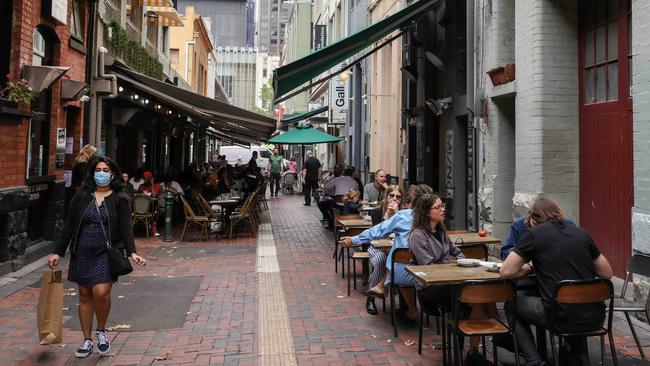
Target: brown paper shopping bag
<point>50,308</point>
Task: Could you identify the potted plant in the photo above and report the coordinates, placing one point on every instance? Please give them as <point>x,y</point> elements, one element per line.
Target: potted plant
<point>17,92</point>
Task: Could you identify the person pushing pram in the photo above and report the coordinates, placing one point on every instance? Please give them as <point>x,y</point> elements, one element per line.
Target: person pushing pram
<point>290,175</point>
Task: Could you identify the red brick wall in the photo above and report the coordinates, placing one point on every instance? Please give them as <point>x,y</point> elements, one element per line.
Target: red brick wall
<point>13,137</point>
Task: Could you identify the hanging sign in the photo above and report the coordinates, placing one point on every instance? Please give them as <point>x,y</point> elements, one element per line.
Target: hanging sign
<point>59,10</point>
<point>339,100</point>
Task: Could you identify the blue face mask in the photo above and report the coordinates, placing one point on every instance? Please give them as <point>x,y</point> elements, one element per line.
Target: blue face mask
<point>102,179</point>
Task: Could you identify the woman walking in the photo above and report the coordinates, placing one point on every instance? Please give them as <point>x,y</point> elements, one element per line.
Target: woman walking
<point>99,214</point>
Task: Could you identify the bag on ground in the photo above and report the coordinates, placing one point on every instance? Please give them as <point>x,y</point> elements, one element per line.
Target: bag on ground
<point>49,316</point>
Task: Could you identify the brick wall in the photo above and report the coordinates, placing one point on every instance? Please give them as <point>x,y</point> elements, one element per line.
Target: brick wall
<point>546,107</point>
<point>13,137</point>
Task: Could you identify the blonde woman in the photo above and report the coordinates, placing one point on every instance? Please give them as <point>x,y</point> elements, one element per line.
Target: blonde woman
<point>392,201</point>
<point>352,202</point>
<point>79,171</point>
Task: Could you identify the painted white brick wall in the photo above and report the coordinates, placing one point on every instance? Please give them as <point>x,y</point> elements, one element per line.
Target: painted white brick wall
<point>546,107</point>
<point>641,124</point>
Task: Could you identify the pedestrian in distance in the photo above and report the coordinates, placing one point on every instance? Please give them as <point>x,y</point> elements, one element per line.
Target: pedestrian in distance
<point>99,215</point>
<point>276,168</point>
<point>310,173</point>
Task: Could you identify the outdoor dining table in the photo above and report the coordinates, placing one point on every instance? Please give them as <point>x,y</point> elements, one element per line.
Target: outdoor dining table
<point>354,227</point>
<point>382,244</point>
<point>228,206</point>
<point>355,224</point>
<point>473,238</point>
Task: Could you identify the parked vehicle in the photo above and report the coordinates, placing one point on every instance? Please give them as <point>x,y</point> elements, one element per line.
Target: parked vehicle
<point>239,154</point>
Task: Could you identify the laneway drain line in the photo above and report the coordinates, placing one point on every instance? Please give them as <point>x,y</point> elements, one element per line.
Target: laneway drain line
<point>274,332</point>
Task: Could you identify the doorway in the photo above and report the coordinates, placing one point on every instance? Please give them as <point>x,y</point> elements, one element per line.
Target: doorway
<point>606,166</point>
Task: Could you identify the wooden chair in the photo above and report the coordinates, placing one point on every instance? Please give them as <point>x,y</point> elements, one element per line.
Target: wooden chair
<point>575,292</point>
<point>338,230</point>
<point>192,219</point>
<point>143,211</point>
<point>640,265</point>
<point>475,251</point>
<point>354,257</point>
<point>245,214</point>
<point>484,292</point>
<point>403,256</point>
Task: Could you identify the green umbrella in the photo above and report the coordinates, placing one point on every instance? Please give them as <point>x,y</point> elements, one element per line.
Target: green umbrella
<point>303,135</point>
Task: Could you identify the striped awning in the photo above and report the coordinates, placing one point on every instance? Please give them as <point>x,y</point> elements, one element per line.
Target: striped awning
<point>166,14</point>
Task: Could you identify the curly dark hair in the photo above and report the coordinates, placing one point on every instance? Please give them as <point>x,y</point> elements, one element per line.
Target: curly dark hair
<point>421,211</point>
<point>414,192</point>
<point>116,184</point>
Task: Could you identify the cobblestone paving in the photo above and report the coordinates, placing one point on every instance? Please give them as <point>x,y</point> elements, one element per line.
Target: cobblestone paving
<point>270,300</point>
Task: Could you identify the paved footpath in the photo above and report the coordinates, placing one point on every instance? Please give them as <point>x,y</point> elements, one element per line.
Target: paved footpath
<point>271,300</point>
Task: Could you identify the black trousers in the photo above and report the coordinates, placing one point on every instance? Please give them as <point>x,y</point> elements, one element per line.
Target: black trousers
<point>275,183</point>
<point>310,189</point>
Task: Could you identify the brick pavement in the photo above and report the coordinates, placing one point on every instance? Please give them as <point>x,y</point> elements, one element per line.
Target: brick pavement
<point>228,315</point>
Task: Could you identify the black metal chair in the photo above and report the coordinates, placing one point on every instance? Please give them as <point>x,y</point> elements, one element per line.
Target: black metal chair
<point>576,292</point>
<point>640,265</point>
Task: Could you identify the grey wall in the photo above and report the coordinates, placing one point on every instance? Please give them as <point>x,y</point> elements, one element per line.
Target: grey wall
<point>228,19</point>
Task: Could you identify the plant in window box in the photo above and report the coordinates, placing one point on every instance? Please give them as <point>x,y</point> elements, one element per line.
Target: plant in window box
<point>18,92</point>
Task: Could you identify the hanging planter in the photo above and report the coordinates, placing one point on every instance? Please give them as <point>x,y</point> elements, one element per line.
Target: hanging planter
<point>502,74</point>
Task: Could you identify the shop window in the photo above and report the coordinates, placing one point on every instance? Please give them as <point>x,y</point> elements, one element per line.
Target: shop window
<point>600,52</point>
<point>77,26</point>
<point>38,48</point>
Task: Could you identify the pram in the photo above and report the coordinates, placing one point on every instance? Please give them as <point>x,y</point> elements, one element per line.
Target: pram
<point>288,181</point>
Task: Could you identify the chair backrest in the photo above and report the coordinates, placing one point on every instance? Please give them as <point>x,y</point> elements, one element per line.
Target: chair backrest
<point>486,292</point>
<point>141,204</point>
<point>401,255</point>
<point>204,204</point>
<point>189,212</point>
<point>475,251</point>
<point>639,264</point>
<point>339,198</point>
<point>583,291</point>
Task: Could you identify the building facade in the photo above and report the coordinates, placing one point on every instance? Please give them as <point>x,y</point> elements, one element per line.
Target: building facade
<point>272,17</point>
<point>39,139</point>
<point>229,17</point>
<point>190,50</point>
<point>236,70</point>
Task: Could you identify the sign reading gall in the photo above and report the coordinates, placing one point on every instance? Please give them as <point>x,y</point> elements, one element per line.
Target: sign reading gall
<point>339,100</point>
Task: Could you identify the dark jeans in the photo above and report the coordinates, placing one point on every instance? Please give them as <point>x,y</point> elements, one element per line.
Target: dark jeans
<point>530,311</point>
<point>310,188</point>
<point>275,182</point>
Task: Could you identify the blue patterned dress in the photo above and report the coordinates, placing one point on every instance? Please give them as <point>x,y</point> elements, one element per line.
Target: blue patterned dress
<point>89,265</point>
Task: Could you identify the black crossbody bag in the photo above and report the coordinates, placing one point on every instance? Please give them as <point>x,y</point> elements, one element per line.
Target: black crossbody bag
<point>118,262</point>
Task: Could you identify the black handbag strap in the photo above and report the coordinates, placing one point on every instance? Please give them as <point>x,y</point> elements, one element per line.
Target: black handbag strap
<point>101,223</point>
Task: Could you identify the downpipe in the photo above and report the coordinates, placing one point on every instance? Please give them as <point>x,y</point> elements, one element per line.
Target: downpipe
<point>101,74</point>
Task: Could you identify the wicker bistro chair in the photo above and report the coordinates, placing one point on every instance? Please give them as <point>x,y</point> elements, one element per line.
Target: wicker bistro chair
<point>578,292</point>
<point>245,214</point>
<point>192,219</point>
<point>403,256</point>
<point>209,212</point>
<point>143,211</point>
<point>483,292</point>
<point>640,265</point>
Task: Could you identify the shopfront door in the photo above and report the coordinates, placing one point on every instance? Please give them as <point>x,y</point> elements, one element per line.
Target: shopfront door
<point>606,177</point>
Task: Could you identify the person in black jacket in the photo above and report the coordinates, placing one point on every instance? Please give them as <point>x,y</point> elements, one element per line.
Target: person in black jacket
<point>99,215</point>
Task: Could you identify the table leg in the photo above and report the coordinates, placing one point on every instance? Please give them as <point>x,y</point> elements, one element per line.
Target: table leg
<point>365,266</point>
<point>541,342</point>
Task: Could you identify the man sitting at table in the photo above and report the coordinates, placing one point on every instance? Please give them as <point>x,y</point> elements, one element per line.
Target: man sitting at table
<point>339,187</point>
<point>400,225</point>
<point>374,191</point>
<point>430,244</point>
<point>557,252</point>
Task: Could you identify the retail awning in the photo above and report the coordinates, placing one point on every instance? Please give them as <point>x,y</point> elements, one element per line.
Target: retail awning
<point>297,73</point>
<point>166,14</point>
<point>227,119</point>
<point>304,115</point>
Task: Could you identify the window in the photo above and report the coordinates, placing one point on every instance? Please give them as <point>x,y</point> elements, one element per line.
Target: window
<point>39,48</point>
<point>173,56</point>
<point>77,27</point>
<point>164,41</point>
<point>264,73</point>
<point>600,52</point>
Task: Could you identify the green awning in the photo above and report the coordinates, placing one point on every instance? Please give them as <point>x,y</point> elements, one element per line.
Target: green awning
<point>297,73</point>
<point>303,135</point>
<point>303,115</point>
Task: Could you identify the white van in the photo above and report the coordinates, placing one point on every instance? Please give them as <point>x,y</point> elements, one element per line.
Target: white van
<point>235,153</point>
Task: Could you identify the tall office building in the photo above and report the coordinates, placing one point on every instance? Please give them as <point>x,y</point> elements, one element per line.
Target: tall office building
<point>272,18</point>
<point>233,23</point>
<point>233,28</point>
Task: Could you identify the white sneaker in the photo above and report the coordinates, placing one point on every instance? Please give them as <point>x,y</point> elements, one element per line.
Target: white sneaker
<point>103,345</point>
<point>85,350</point>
